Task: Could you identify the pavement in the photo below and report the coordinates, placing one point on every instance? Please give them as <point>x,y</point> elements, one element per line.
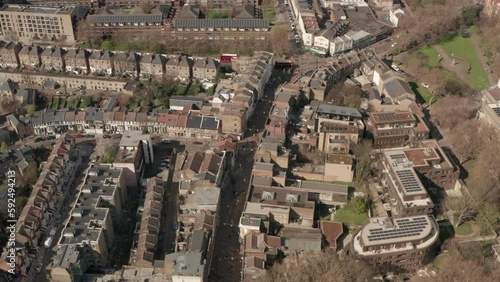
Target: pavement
<point>226,263</point>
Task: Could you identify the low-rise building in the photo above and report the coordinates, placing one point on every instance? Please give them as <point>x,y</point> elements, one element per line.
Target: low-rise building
<point>9,54</point>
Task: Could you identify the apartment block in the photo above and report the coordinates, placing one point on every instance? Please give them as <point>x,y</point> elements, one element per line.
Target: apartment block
<point>433,165</point>
<point>39,24</point>
<point>96,213</point>
<point>9,54</point>
<point>336,137</point>
<point>396,242</point>
<point>396,129</point>
<point>134,154</point>
<point>405,187</point>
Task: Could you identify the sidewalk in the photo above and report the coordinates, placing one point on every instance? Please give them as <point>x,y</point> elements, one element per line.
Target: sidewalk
<point>484,61</point>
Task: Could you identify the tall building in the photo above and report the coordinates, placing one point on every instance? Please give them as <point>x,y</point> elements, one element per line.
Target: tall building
<point>39,24</point>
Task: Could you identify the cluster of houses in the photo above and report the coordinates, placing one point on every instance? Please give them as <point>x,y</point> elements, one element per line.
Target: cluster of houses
<point>83,61</point>
<point>48,195</point>
<point>351,25</point>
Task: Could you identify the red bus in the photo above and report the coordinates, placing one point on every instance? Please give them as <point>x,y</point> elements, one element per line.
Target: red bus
<point>283,64</point>
<point>228,58</point>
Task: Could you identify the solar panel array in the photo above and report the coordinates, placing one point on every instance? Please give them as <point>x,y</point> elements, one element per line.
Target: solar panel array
<point>387,116</point>
<point>408,180</point>
<point>398,156</point>
<point>406,228</point>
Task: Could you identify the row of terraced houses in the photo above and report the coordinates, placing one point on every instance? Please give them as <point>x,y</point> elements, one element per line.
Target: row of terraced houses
<point>82,61</point>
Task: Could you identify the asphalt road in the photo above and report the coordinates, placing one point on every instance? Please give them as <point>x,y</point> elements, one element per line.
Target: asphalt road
<point>226,264</point>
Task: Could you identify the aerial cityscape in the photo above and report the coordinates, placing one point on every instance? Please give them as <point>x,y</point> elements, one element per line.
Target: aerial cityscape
<point>249,140</point>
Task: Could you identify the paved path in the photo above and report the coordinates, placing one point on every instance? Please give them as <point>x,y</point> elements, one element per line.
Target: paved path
<point>457,69</point>
<point>476,41</point>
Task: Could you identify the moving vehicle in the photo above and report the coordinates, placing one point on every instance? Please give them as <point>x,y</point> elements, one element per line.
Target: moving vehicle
<point>48,242</point>
<point>283,64</point>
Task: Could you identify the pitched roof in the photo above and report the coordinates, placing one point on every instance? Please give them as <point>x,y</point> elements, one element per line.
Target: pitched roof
<point>118,19</point>
<point>221,23</point>
<point>245,12</point>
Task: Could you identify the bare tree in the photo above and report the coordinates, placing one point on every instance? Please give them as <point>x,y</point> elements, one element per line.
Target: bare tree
<point>362,151</point>
<point>467,207</point>
<point>279,40</point>
<point>465,139</point>
<point>451,111</point>
<point>323,267</point>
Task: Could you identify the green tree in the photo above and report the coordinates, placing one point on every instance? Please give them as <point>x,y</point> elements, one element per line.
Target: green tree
<point>4,147</point>
<point>108,45</point>
<point>110,155</point>
<point>358,205</point>
<point>31,110</point>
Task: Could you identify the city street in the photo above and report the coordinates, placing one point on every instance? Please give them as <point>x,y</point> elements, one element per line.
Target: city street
<point>226,263</point>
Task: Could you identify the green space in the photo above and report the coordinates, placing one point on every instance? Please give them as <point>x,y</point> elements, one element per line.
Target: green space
<point>464,229</point>
<point>269,14</point>
<point>55,103</point>
<point>72,103</point>
<point>432,56</point>
<point>463,47</point>
<point>84,45</point>
<point>423,94</point>
<point>110,155</point>
<point>219,14</point>
<point>194,89</point>
<point>354,213</point>
<point>181,89</point>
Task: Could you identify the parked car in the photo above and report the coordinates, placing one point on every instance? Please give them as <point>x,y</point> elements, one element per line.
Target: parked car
<point>425,85</point>
<point>89,136</point>
<point>105,136</point>
<point>116,136</point>
<point>53,232</point>
<point>39,139</point>
<point>78,135</point>
<point>38,268</point>
<point>50,137</point>
<point>48,242</point>
<point>166,141</point>
<point>395,67</point>
<point>174,225</point>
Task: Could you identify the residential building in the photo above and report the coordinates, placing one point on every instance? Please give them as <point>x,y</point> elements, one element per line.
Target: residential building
<point>308,240</point>
<point>405,243</point>
<point>96,213</point>
<point>331,231</point>
<point>405,187</point>
<point>9,54</point>
<point>20,125</point>
<point>490,105</point>
<point>126,63</point>
<point>433,165</point>
<point>392,92</point>
<point>251,30</point>
<point>339,167</point>
<point>77,61</point>
<point>322,192</point>
<point>68,264</point>
<point>202,199</point>
<point>396,129</point>
<point>39,24</point>
<point>336,137</point>
<point>185,266</point>
<point>102,62</point>
<point>180,102</point>
<point>205,69</point>
<point>233,118</point>
<point>152,65</point>
<point>134,154</point>
<point>149,226</point>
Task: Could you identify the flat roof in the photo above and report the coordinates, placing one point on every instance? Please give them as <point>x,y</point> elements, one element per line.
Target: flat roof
<point>63,9</point>
<point>385,117</point>
<point>131,138</point>
<point>380,230</point>
<point>339,159</point>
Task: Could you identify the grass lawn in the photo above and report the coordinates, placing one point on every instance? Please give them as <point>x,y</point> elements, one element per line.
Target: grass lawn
<point>62,103</point>
<point>269,14</point>
<point>180,90</point>
<point>72,103</point>
<point>432,54</point>
<point>422,93</point>
<point>55,103</point>
<point>194,89</point>
<point>350,217</point>
<point>464,229</point>
<point>463,47</point>
<point>219,14</point>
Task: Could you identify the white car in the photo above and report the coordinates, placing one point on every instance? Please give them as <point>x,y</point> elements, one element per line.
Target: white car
<point>394,44</point>
<point>394,67</point>
<point>425,85</point>
<point>38,268</point>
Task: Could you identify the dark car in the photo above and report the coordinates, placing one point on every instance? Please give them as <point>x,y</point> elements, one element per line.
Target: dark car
<point>50,137</point>
<point>39,139</point>
<point>105,136</point>
<point>89,136</point>
<point>116,136</point>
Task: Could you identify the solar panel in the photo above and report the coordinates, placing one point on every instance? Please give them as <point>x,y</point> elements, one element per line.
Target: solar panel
<point>497,111</point>
<point>406,228</point>
<point>398,156</point>
<point>385,117</point>
<point>409,181</point>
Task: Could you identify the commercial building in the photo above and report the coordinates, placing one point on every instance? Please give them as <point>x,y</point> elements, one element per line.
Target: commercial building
<point>390,243</point>
<point>39,24</point>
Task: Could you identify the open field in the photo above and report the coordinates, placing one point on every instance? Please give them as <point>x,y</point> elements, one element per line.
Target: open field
<point>464,48</point>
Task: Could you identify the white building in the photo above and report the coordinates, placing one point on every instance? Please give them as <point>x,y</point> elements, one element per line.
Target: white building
<point>395,16</point>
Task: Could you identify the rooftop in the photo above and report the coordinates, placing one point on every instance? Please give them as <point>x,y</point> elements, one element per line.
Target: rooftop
<point>388,117</point>
<point>63,9</point>
<point>339,159</point>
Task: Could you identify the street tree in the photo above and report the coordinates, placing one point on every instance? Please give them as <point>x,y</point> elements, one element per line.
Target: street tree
<point>279,40</point>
